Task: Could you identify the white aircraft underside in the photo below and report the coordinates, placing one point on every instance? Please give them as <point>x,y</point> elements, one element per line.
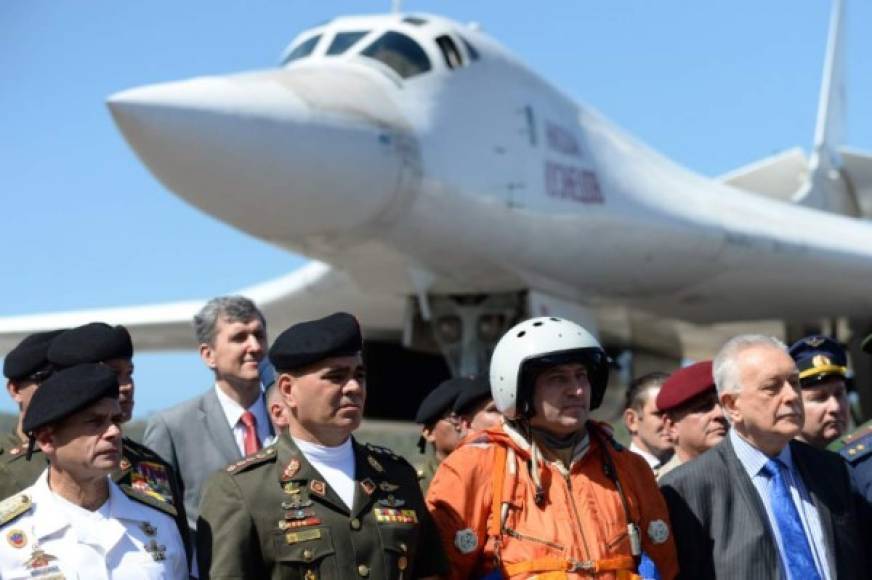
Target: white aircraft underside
<point>478,177</point>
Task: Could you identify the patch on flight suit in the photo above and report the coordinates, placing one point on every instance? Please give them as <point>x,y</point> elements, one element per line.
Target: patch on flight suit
<point>392,502</point>
<point>658,531</point>
<point>395,516</point>
<point>16,538</point>
<point>466,541</point>
<point>14,506</point>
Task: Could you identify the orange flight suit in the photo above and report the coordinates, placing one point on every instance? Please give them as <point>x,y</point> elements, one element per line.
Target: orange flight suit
<point>579,530</point>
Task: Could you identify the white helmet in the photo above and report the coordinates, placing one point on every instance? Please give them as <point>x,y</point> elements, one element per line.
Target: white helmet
<point>533,344</point>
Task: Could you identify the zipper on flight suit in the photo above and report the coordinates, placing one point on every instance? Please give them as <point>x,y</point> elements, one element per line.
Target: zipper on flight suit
<point>575,513</point>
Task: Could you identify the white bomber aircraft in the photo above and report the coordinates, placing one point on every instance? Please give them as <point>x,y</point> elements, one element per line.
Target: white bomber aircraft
<point>444,190</point>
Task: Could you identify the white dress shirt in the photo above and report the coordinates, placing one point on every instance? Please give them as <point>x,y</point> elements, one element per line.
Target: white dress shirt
<point>753,460</point>
<point>122,540</point>
<point>233,412</point>
<point>649,458</point>
<point>336,464</point>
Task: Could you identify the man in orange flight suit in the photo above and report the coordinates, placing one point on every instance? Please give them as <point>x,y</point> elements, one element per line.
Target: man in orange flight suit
<point>549,493</point>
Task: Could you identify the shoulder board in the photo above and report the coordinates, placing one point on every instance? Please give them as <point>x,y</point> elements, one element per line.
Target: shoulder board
<point>263,456</point>
<point>857,448</point>
<point>137,449</point>
<point>149,500</point>
<point>14,506</point>
<point>382,451</point>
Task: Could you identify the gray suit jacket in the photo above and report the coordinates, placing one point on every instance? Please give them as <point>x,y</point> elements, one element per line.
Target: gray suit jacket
<point>196,440</point>
<point>720,523</point>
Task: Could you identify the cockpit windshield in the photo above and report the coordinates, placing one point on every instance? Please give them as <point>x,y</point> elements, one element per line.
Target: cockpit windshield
<point>303,49</point>
<point>399,52</point>
<point>343,41</point>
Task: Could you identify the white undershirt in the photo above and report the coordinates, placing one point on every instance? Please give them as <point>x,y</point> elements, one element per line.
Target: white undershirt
<point>336,464</point>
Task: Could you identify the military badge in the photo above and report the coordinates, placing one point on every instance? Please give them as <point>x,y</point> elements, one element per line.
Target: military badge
<point>373,462</point>
<point>124,464</point>
<point>658,531</point>
<point>466,541</point>
<point>368,486</point>
<point>388,487</point>
<point>39,559</point>
<point>157,551</point>
<point>152,479</point>
<point>391,501</point>
<point>148,529</point>
<point>814,341</point>
<point>821,360</point>
<point>318,487</point>
<point>291,487</point>
<point>299,514</point>
<point>302,536</point>
<point>395,516</point>
<point>293,524</point>
<point>16,538</point>
<point>296,502</point>
<point>291,470</point>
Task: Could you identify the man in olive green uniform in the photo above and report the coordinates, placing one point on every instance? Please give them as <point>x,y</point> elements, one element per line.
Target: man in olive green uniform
<point>440,427</point>
<point>25,367</point>
<point>317,504</point>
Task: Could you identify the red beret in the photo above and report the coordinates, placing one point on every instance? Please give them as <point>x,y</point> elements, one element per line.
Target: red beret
<point>685,384</point>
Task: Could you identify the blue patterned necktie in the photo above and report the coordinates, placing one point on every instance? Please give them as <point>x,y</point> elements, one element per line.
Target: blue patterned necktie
<point>797,552</point>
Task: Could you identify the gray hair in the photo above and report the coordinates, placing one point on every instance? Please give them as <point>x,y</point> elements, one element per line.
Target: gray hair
<point>725,366</point>
<point>230,308</point>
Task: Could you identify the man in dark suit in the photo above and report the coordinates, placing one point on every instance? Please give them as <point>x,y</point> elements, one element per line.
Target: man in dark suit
<point>228,421</point>
<point>759,505</point>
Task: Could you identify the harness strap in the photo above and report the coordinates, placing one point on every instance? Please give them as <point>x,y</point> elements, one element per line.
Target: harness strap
<point>499,475</point>
<point>616,564</point>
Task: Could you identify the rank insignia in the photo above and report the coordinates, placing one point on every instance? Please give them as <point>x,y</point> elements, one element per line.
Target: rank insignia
<point>158,552</point>
<point>39,559</point>
<point>395,516</point>
<point>294,524</point>
<point>388,487</point>
<point>148,529</point>
<point>291,487</point>
<point>368,486</point>
<point>318,487</point>
<point>375,464</point>
<point>391,501</point>
<point>16,538</point>
<point>291,470</point>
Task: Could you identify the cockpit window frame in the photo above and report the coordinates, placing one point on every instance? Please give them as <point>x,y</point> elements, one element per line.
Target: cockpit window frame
<point>358,36</point>
<point>423,65</point>
<point>314,39</point>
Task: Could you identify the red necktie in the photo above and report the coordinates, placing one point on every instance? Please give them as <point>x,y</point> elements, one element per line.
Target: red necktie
<point>251,442</point>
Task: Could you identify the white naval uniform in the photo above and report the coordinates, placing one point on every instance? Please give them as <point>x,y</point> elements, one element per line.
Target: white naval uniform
<point>122,540</point>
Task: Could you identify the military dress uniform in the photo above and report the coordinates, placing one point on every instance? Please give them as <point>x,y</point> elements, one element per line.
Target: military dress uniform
<point>47,537</point>
<point>856,448</point>
<point>272,515</point>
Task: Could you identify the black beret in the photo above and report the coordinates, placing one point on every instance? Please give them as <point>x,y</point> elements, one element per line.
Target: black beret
<point>29,356</point>
<point>439,401</point>
<point>308,342</point>
<point>472,392</point>
<point>67,391</point>
<point>818,357</point>
<point>91,343</point>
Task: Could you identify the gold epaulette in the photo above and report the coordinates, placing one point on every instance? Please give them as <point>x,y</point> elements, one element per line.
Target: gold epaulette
<point>13,506</point>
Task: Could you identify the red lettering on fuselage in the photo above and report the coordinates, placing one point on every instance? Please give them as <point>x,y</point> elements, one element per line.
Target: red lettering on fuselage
<point>573,183</point>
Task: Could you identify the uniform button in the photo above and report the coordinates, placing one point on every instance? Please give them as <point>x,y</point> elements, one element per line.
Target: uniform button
<point>308,555</point>
<point>355,524</point>
<point>403,548</point>
<point>363,570</point>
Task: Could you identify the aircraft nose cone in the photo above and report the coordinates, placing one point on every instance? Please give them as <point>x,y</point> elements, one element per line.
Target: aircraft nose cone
<point>266,152</point>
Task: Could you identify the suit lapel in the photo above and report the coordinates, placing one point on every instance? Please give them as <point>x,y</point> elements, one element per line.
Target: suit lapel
<point>748,492</point>
<point>216,424</point>
<point>813,487</point>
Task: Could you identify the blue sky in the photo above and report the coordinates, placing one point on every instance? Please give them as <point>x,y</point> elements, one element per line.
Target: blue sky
<point>712,85</point>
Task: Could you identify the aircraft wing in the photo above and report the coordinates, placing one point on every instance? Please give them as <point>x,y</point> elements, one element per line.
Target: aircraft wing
<point>314,290</point>
<point>778,176</point>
